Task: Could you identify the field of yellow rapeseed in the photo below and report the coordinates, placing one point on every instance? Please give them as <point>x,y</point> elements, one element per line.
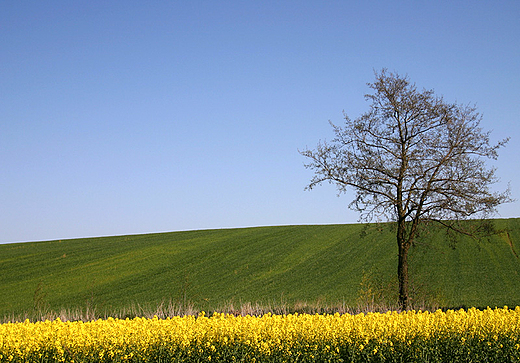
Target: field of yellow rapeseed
<point>491,335</point>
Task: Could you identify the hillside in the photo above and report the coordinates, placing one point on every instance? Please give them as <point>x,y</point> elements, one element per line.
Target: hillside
<point>209,268</point>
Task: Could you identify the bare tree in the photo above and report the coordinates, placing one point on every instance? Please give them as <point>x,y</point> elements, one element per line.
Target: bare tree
<point>412,159</point>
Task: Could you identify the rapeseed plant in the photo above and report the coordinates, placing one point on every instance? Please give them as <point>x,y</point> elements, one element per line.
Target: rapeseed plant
<point>491,335</point>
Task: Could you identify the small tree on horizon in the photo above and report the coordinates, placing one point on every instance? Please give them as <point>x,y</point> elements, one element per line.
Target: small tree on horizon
<point>412,159</point>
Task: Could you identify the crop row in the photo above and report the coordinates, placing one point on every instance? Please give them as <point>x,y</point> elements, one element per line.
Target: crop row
<point>491,335</point>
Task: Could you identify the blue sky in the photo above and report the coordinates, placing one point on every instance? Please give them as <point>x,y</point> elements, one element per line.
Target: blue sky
<point>122,117</point>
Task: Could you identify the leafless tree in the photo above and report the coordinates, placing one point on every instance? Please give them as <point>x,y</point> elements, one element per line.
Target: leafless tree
<point>412,159</point>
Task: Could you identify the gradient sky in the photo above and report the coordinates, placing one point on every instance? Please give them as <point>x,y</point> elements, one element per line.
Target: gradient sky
<point>123,117</point>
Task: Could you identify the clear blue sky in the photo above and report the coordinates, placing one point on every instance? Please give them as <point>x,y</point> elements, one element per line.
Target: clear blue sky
<point>122,117</point>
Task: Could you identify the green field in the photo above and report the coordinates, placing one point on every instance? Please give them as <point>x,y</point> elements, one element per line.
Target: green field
<point>327,264</point>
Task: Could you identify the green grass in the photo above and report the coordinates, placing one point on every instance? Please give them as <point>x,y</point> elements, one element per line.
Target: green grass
<point>329,264</point>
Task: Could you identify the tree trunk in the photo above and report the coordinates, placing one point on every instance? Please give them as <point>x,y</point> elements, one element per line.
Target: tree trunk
<point>402,265</point>
<point>402,275</point>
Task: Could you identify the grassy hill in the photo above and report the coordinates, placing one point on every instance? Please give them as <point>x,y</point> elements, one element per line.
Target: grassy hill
<point>269,265</point>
